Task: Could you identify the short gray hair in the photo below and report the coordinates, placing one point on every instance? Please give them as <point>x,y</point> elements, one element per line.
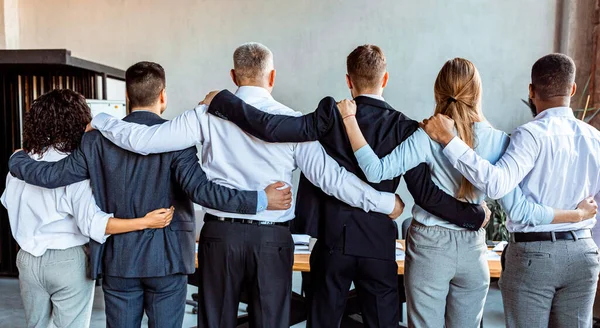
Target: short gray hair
<point>252,61</point>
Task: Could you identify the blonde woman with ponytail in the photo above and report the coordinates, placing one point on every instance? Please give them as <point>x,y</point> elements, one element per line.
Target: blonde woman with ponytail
<point>446,270</point>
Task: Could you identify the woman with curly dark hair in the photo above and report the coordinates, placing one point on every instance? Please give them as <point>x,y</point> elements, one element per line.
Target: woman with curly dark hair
<point>52,226</point>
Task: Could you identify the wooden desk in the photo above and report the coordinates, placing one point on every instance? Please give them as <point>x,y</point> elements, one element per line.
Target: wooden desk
<point>302,264</point>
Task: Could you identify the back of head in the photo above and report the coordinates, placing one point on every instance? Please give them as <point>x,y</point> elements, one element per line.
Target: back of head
<point>553,76</point>
<point>457,92</point>
<point>56,119</point>
<point>366,67</point>
<point>144,82</point>
<point>252,63</point>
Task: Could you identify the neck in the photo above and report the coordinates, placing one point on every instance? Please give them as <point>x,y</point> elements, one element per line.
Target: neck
<point>552,103</point>
<point>255,84</point>
<point>153,109</point>
<point>377,92</point>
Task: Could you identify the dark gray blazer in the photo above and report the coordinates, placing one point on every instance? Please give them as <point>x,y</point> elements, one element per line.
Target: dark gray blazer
<point>130,185</point>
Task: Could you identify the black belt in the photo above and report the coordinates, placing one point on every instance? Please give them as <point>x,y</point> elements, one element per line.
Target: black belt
<point>525,237</point>
<point>210,217</point>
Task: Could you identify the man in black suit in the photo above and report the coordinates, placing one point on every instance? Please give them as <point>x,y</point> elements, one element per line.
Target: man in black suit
<point>352,246</point>
<point>145,270</point>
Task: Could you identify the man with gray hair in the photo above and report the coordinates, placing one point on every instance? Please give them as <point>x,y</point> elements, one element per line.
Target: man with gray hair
<point>253,253</point>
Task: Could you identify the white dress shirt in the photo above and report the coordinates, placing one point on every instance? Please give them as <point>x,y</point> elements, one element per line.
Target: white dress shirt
<point>42,219</point>
<point>235,159</point>
<point>555,159</point>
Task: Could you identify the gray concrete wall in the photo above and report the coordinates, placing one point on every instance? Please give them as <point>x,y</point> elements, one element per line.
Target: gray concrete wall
<point>310,39</point>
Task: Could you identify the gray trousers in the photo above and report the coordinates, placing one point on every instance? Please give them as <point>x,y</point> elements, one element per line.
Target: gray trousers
<point>446,277</point>
<point>550,284</point>
<point>55,288</point>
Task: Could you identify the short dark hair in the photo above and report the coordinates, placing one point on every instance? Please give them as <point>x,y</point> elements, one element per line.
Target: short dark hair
<point>553,76</point>
<point>366,66</point>
<point>57,118</point>
<point>144,82</point>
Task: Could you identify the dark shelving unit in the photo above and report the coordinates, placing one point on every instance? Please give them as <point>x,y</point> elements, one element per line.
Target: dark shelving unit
<point>24,76</point>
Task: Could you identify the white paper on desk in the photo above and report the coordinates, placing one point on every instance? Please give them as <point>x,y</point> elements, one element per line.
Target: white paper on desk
<point>400,255</point>
<point>500,246</point>
<point>399,245</point>
<point>301,249</point>
<point>493,256</point>
<point>301,239</point>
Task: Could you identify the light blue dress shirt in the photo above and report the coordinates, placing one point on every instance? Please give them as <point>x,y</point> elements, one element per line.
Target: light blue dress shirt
<point>490,144</point>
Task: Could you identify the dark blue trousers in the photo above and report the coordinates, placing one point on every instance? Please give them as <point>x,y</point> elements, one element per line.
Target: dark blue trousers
<point>163,299</point>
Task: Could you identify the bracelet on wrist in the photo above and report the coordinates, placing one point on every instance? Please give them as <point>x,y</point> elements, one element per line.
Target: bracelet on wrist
<point>349,115</point>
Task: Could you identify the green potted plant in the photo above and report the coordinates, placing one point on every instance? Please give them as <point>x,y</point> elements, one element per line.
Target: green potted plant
<point>496,228</point>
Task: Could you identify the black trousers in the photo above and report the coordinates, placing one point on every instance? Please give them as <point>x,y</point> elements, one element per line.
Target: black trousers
<point>235,257</point>
<point>332,273</point>
<point>162,298</point>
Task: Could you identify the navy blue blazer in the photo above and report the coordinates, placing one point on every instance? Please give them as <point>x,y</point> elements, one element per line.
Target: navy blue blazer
<point>131,185</point>
<point>338,224</point>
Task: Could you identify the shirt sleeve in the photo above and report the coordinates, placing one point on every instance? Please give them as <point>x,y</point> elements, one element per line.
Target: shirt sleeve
<point>274,128</point>
<point>78,200</point>
<point>194,182</point>
<point>180,133</point>
<point>68,170</point>
<point>522,211</point>
<point>324,172</point>
<point>503,177</point>
<point>404,157</point>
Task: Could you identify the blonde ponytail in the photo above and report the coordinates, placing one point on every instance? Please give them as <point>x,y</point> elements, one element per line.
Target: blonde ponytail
<point>457,92</point>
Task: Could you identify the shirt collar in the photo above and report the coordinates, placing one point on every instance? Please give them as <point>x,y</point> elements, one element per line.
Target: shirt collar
<point>378,97</point>
<point>556,112</point>
<point>247,93</point>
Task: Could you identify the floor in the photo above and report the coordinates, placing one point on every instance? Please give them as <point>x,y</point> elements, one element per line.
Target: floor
<point>12,316</point>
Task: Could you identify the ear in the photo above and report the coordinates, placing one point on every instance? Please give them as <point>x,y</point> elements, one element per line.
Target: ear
<point>386,76</point>
<point>272,78</point>
<point>348,81</point>
<point>573,89</point>
<point>232,73</point>
<point>163,96</point>
<point>531,92</point>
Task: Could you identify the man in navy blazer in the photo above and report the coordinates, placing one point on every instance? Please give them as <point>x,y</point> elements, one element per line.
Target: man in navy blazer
<point>145,270</point>
<point>352,246</point>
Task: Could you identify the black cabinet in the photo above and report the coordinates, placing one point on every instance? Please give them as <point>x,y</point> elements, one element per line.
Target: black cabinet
<point>24,76</point>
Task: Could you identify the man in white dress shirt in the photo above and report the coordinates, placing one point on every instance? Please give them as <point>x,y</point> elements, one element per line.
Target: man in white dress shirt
<point>551,271</point>
<point>252,253</point>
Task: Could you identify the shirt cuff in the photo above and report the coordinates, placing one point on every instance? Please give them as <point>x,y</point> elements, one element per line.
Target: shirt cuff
<point>99,121</point>
<point>455,149</point>
<point>261,201</point>
<point>98,227</point>
<point>387,203</point>
<point>548,216</point>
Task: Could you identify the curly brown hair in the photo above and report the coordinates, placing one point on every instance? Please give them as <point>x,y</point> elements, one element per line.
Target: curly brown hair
<point>57,118</point>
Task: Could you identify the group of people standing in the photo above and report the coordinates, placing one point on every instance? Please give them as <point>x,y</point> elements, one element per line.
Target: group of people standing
<point>546,176</point>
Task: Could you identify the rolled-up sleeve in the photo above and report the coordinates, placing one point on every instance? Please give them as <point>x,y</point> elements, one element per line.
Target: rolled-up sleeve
<point>78,200</point>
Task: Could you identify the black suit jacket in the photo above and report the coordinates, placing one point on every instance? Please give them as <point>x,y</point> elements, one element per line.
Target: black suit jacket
<point>131,185</point>
<point>361,234</point>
